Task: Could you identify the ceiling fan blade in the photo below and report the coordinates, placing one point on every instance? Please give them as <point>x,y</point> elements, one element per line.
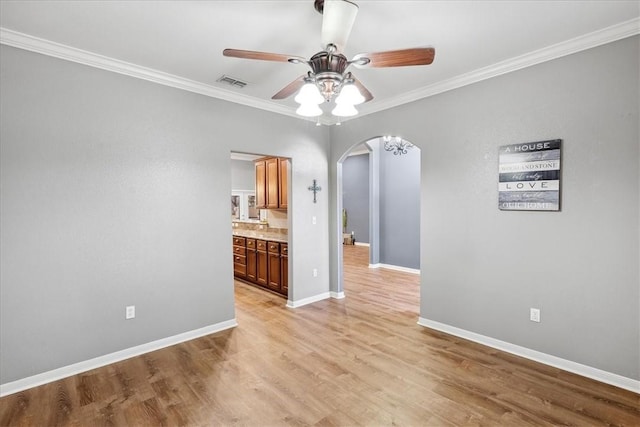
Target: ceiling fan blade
<point>337,21</point>
<point>290,89</point>
<point>395,58</point>
<point>263,56</point>
<point>363,90</point>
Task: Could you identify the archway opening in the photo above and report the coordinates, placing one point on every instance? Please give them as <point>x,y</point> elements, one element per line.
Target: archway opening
<point>379,219</point>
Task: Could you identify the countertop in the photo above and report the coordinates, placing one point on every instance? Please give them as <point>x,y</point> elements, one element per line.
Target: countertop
<point>262,235</point>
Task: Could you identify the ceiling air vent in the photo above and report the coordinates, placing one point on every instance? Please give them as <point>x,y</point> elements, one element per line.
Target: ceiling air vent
<point>232,81</point>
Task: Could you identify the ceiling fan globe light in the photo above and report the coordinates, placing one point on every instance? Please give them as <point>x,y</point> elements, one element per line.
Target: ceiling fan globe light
<point>344,110</point>
<point>309,110</point>
<point>350,94</point>
<point>309,94</point>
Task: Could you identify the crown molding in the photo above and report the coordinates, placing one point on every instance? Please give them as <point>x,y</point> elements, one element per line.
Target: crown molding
<point>57,50</point>
<point>68,53</point>
<point>244,156</point>
<point>568,47</point>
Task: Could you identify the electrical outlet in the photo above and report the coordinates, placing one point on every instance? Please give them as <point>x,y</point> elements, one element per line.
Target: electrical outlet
<point>130,312</point>
<point>314,220</point>
<point>534,315</point>
<point>315,272</point>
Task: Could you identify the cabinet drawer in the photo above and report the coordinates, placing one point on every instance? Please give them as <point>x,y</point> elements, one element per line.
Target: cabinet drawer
<point>261,245</point>
<point>239,270</point>
<point>251,243</point>
<point>284,249</point>
<point>238,250</point>
<point>273,247</point>
<point>239,241</point>
<point>240,259</point>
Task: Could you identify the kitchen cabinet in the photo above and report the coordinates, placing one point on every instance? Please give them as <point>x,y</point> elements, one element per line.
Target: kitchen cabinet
<point>272,179</point>
<point>271,183</point>
<point>239,257</point>
<point>261,184</point>
<point>261,262</point>
<point>262,277</point>
<point>283,181</point>
<point>252,258</point>
<point>284,268</point>
<point>273,254</point>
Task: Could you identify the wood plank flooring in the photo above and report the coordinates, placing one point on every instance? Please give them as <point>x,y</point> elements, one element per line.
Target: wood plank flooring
<point>358,361</point>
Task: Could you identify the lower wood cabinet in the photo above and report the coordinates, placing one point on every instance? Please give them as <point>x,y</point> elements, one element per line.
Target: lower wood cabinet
<point>261,262</point>
<point>273,253</point>
<point>284,268</point>
<point>252,256</point>
<point>239,257</point>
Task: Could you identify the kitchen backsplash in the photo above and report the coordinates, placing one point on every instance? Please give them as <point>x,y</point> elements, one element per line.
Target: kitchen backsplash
<point>256,226</point>
<point>277,219</point>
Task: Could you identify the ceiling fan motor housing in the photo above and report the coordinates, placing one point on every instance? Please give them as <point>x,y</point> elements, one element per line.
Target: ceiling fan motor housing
<point>328,69</point>
<point>323,62</point>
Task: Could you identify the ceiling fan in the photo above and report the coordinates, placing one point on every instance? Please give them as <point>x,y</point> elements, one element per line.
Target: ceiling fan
<point>329,77</point>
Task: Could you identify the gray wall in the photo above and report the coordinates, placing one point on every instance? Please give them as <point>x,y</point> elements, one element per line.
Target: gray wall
<point>243,175</point>
<point>115,191</point>
<point>482,268</point>
<point>400,208</point>
<point>355,195</point>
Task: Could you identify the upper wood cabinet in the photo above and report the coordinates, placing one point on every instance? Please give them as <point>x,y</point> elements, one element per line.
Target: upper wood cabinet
<point>261,184</point>
<point>283,180</point>
<point>273,180</point>
<point>271,183</point>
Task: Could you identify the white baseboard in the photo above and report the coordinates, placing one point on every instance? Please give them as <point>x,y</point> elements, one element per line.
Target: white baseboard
<point>310,300</point>
<point>547,359</point>
<point>395,267</point>
<point>337,295</point>
<point>361,244</point>
<point>107,359</point>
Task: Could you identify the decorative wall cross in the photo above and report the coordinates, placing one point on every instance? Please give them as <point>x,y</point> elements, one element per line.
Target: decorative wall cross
<point>315,188</point>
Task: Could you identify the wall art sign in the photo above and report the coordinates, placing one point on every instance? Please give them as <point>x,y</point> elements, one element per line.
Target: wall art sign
<point>529,176</point>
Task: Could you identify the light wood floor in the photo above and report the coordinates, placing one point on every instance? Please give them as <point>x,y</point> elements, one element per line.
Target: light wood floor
<point>358,361</point>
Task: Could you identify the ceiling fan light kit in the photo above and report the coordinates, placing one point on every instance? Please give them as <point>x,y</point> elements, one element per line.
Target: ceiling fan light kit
<point>344,110</point>
<point>328,78</point>
<point>349,94</point>
<point>309,94</point>
<point>309,110</point>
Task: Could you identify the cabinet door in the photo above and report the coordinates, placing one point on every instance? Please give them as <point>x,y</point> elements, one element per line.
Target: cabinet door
<point>283,167</point>
<point>284,274</point>
<point>252,265</point>
<point>261,184</point>
<point>274,272</point>
<point>261,263</point>
<point>239,266</point>
<point>271,166</point>
<point>284,268</point>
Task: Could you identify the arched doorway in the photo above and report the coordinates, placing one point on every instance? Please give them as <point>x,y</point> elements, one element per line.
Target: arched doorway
<point>393,215</point>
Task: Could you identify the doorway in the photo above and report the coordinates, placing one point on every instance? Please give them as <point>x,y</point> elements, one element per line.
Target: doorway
<point>388,173</point>
<point>260,222</point>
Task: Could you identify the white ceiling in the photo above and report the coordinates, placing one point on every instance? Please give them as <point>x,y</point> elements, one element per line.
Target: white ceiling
<point>180,42</point>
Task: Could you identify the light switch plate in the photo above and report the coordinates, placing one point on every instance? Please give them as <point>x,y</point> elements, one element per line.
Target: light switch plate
<point>130,312</point>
